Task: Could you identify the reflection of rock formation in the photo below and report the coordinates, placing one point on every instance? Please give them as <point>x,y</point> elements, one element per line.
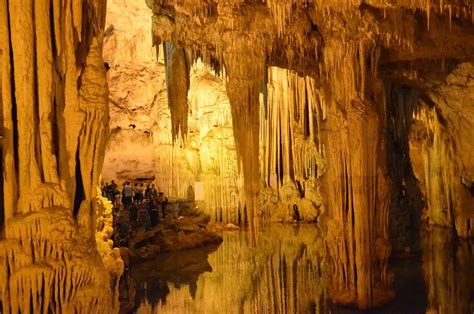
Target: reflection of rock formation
<point>449,272</point>
<point>54,102</point>
<point>177,268</point>
<point>281,276</point>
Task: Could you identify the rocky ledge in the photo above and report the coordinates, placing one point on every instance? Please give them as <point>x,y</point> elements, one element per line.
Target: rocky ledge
<point>188,231</point>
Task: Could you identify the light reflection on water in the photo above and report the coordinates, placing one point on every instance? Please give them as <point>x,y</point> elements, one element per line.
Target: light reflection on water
<point>281,275</point>
<point>284,275</point>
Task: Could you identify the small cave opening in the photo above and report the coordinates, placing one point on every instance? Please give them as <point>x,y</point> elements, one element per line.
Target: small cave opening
<point>407,202</point>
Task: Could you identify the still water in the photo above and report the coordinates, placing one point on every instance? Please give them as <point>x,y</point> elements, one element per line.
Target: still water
<point>285,274</point>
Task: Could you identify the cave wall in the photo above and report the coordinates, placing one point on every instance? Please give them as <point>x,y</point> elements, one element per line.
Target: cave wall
<point>137,90</point>
<point>442,153</point>
<point>206,153</point>
<point>55,110</point>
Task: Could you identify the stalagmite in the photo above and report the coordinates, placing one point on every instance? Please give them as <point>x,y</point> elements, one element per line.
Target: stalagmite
<point>54,100</point>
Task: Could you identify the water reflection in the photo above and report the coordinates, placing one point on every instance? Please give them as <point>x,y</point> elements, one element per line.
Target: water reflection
<point>448,265</point>
<point>284,275</point>
<point>281,275</point>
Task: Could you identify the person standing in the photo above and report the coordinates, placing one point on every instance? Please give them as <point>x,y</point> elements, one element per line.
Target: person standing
<point>116,197</point>
<point>127,195</point>
<point>175,210</point>
<point>163,201</point>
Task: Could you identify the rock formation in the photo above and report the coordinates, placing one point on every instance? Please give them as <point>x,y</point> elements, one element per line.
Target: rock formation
<point>137,89</point>
<point>55,116</point>
<point>443,155</point>
<point>144,140</point>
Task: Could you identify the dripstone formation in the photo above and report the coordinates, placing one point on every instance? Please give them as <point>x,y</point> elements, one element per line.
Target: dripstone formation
<point>55,112</point>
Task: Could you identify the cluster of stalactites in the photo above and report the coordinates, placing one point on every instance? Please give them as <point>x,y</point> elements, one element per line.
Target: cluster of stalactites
<point>282,11</point>
<point>290,128</point>
<point>448,201</point>
<point>348,67</point>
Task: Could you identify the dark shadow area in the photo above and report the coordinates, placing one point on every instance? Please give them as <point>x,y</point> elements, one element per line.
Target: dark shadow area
<point>80,193</point>
<point>407,201</point>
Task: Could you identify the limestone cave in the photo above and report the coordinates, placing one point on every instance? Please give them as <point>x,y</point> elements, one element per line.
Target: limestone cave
<point>237,156</point>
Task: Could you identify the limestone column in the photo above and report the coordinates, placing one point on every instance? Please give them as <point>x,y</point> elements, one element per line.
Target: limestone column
<point>356,185</point>
<point>244,75</point>
<point>55,109</point>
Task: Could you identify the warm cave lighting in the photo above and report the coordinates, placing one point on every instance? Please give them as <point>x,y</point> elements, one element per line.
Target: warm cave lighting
<point>274,156</point>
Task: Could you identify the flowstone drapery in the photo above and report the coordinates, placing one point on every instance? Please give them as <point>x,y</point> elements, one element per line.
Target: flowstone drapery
<point>55,110</point>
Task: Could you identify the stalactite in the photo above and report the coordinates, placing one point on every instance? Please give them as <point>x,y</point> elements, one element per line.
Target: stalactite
<point>293,123</point>
<point>54,97</point>
<point>208,155</point>
<point>177,84</point>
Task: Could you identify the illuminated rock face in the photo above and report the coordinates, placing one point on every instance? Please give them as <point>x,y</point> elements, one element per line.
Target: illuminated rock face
<point>55,116</point>
<point>137,91</point>
<point>442,152</point>
<point>142,131</point>
<point>207,153</point>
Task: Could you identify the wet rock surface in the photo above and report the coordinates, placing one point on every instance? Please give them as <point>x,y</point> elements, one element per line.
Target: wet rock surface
<point>187,231</point>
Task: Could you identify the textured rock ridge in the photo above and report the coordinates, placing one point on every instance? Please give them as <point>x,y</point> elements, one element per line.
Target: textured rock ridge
<point>55,111</point>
